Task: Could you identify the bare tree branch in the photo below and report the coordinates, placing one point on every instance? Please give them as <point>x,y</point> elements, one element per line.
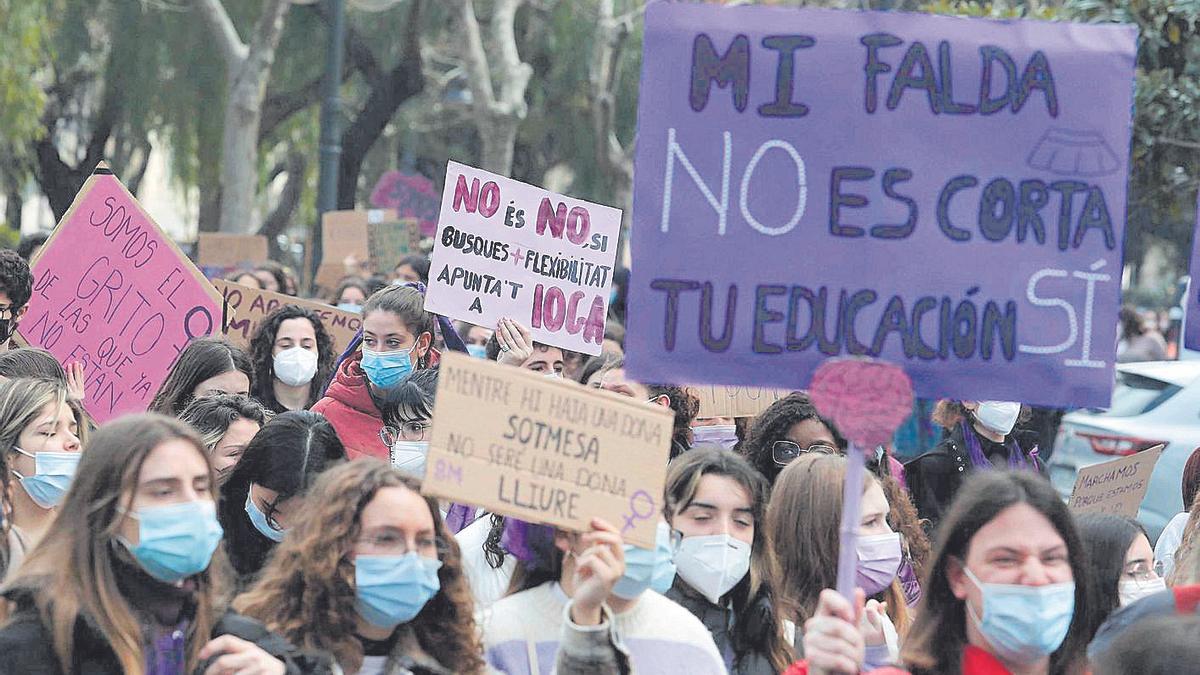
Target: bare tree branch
<point>233,50</point>
<point>496,118</point>
<point>478,77</point>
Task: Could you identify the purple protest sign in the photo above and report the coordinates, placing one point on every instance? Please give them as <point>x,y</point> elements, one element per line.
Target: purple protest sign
<point>412,195</point>
<point>947,194</point>
<point>1191,317</point>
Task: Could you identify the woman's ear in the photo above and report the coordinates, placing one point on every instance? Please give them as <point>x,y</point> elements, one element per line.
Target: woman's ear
<point>423,343</point>
<point>661,399</point>
<point>956,577</point>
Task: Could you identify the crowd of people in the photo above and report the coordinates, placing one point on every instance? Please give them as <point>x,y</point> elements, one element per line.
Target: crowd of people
<point>265,516</point>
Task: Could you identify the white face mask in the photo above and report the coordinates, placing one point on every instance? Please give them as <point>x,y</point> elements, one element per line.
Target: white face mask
<point>1131,591</point>
<point>410,456</point>
<point>295,366</point>
<point>998,416</point>
<point>712,564</point>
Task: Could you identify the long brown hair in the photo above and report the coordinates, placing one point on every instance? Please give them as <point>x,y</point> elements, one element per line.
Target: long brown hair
<point>753,628</point>
<point>71,570</point>
<point>803,519</point>
<point>939,633</point>
<point>306,592</point>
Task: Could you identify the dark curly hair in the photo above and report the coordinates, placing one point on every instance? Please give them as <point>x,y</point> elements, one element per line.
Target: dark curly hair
<point>15,279</point>
<point>30,243</point>
<point>306,593</point>
<point>773,425</point>
<point>263,343</point>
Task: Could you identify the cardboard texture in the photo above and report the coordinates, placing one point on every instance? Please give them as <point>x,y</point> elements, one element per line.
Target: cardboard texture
<point>112,291</point>
<point>547,451</point>
<point>392,240</point>
<point>1117,487</point>
<point>718,401</point>
<point>217,249</point>
<point>247,307</point>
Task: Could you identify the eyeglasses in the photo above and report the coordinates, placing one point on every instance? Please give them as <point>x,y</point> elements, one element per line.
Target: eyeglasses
<point>1141,571</point>
<point>784,452</point>
<point>408,431</point>
<point>397,544</point>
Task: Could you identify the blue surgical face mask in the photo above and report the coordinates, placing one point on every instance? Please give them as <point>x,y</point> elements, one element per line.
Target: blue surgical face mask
<point>1024,624</point>
<point>386,369</point>
<point>350,307</point>
<point>176,541</point>
<point>724,435</point>
<point>478,351</point>
<point>648,569</point>
<point>392,589</point>
<point>53,472</point>
<point>259,519</point>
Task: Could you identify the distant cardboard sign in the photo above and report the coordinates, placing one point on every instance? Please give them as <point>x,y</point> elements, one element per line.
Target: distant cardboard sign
<point>345,234</point>
<point>247,307</point>
<point>391,241</point>
<point>718,401</point>
<point>547,451</point>
<point>509,249</point>
<point>221,250</point>
<point>113,292</point>
<point>412,195</point>
<point>1115,487</point>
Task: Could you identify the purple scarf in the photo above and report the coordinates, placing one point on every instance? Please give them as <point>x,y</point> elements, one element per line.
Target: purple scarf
<point>1016,458</point>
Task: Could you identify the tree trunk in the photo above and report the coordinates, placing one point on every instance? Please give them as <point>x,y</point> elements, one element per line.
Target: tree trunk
<point>498,114</point>
<point>498,137</point>
<point>247,67</point>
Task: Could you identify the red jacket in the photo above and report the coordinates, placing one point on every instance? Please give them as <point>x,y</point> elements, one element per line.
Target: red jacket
<point>975,661</point>
<point>349,408</point>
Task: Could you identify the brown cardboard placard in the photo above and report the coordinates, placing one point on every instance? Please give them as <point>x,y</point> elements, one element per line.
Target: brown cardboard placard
<point>345,233</point>
<point>545,450</point>
<point>391,241</point>
<point>247,307</point>
<point>220,249</point>
<point>1117,487</point>
<point>720,401</point>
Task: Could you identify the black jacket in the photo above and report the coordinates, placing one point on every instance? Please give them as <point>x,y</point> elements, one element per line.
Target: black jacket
<point>719,622</point>
<point>27,648</point>
<point>934,477</point>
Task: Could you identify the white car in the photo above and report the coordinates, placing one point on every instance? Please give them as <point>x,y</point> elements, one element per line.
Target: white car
<point>1154,402</point>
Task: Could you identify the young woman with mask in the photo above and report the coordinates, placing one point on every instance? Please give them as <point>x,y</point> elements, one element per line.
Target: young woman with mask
<point>260,500</point>
<point>476,338</point>
<point>720,431</point>
<point>397,339</point>
<point>1172,535</point>
<point>1001,597</point>
<point>127,579</point>
<point>293,359</point>
<point>566,579</point>
<point>407,412</point>
<point>726,573</point>
<point>39,454</point>
<point>206,367</point>
<point>226,424</point>
<point>369,574</point>
<point>1120,564</point>
<point>350,295</point>
<point>979,435</point>
<point>804,521</point>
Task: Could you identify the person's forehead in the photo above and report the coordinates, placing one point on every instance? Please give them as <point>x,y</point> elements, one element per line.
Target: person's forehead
<point>399,508</point>
<point>722,491</point>
<point>1019,527</point>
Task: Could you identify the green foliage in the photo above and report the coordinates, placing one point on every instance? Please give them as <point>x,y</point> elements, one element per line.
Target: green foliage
<point>23,48</point>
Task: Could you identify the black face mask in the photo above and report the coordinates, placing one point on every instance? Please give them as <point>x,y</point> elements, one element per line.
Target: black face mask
<point>7,328</point>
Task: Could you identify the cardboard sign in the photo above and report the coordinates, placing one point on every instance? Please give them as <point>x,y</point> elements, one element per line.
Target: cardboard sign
<point>508,249</point>
<point>947,194</point>
<point>390,241</point>
<point>545,450</point>
<point>229,251</point>
<point>344,234</point>
<point>112,291</point>
<point>1117,487</point>
<point>249,306</point>
<point>716,401</point>
<point>411,195</point>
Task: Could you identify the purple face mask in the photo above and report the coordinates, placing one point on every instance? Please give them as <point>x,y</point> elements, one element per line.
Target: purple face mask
<point>724,435</point>
<point>878,561</point>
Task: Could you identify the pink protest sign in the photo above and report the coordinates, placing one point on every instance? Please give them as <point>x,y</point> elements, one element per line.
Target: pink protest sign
<point>412,195</point>
<point>508,249</point>
<point>867,399</point>
<point>113,292</point>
